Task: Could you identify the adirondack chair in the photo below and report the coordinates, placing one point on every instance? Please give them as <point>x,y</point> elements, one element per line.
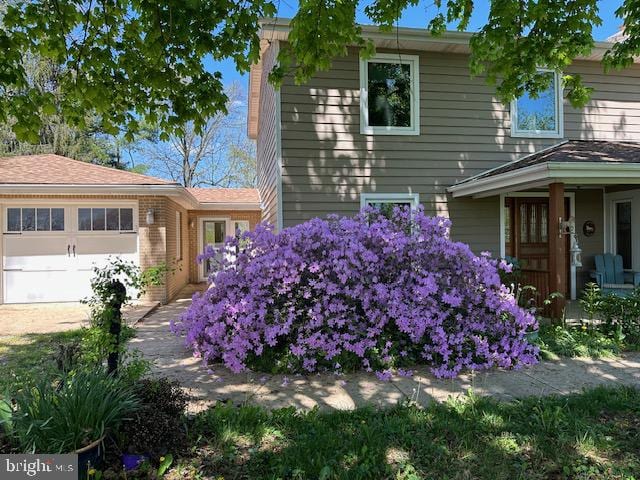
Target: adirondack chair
<point>611,277</point>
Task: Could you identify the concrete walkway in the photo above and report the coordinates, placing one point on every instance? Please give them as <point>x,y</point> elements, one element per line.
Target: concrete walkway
<point>329,391</point>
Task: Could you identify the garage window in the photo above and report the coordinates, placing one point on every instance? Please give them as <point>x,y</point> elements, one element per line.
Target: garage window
<point>31,219</point>
<point>109,219</point>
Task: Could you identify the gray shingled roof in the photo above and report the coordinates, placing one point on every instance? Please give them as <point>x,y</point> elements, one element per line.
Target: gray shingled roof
<point>572,152</point>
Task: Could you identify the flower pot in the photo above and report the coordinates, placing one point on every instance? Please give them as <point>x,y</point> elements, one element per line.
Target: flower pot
<point>532,336</point>
<point>89,457</point>
<point>131,461</point>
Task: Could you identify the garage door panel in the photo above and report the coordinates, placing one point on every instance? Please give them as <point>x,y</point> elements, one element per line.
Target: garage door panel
<point>107,244</point>
<point>45,266</point>
<point>46,286</point>
<point>36,253</point>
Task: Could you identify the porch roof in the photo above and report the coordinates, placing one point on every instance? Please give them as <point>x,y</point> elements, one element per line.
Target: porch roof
<point>578,162</point>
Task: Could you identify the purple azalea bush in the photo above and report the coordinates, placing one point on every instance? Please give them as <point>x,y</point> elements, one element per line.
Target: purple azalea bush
<point>366,292</point>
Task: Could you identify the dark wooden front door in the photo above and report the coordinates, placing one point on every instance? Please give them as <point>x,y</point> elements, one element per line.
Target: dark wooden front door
<point>527,231</point>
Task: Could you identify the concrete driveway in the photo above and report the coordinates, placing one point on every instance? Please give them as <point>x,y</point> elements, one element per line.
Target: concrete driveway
<point>21,319</point>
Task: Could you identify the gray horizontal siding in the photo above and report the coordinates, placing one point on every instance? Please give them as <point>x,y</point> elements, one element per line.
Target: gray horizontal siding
<point>267,156</point>
<point>464,130</point>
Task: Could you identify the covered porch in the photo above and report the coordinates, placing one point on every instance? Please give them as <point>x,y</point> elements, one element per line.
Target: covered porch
<point>561,207</point>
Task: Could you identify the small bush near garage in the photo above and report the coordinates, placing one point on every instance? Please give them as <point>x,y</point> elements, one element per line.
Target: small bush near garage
<point>371,292</point>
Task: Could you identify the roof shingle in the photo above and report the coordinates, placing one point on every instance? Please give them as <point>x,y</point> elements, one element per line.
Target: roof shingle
<point>225,195</point>
<point>50,169</point>
<point>573,151</point>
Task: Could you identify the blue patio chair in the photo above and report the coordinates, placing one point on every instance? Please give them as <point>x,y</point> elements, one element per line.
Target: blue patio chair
<point>611,277</point>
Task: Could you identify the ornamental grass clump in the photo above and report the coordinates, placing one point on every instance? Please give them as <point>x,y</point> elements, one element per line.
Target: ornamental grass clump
<point>367,292</point>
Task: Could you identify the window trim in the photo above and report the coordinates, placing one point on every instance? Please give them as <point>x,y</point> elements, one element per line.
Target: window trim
<point>178,235</point>
<point>414,70</point>
<point>412,198</point>
<point>559,110</point>
<point>246,222</point>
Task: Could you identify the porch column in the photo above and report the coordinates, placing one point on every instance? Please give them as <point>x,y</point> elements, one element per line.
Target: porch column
<point>557,247</point>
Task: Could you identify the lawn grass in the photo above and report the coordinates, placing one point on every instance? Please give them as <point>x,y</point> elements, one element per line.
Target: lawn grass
<point>29,356</point>
<point>594,435</point>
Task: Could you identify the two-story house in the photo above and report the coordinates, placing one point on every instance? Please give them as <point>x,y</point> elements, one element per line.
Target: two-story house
<point>411,126</point>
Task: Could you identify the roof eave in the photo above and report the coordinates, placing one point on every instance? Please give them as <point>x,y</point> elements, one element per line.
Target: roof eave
<point>176,191</point>
<point>585,173</point>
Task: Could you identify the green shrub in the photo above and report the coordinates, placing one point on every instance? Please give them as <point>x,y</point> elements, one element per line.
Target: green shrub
<point>576,342</point>
<point>67,415</point>
<point>620,316</point>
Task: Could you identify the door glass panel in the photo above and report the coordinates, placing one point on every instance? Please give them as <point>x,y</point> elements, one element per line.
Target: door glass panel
<point>97,215</point>
<point>623,233</point>
<point>219,232</point>
<point>28,219</point>
<point>113,219</point>
<point>524,232</point>
<point>57,219</point>
<point>213,235</point>
<point>533,223</point>
<point>43,219</point>
<point>544,223</point>
<point>126,219</point>
<point>13,219</point>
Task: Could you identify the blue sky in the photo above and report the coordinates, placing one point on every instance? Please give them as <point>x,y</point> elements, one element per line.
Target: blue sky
<point>418,17</point>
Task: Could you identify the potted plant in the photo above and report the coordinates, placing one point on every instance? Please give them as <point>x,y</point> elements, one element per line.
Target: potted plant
<point>71,415</point>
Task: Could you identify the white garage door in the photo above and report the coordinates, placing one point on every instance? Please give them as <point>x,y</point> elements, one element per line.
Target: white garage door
<point>49,250</point>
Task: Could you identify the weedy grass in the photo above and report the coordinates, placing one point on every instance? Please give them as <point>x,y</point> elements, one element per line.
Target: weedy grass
<point>24,358</point>
<point>594,435</point>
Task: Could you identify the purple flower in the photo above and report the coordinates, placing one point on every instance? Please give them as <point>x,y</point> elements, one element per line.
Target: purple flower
<point>335,288</point>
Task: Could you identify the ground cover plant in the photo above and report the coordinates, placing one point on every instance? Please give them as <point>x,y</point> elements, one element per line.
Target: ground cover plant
<point>589,436</point>
<point>609,327</point>
<point>372,291</point>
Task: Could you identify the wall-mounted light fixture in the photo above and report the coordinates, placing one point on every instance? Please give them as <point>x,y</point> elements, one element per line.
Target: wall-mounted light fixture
<point>192,223</point>
<point>151,216</point>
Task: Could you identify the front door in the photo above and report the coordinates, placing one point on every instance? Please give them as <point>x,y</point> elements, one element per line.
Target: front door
<point>213,235</point>
<point>527,233</point>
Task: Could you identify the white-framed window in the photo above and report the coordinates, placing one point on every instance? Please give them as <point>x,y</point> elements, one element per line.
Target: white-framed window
<point>390,95</point>
<point>178,235</point>
<point>240,226</point>
<point>542,116</point>
<point>380,200</point>
<point>34,219</point>
<point>97,219</point>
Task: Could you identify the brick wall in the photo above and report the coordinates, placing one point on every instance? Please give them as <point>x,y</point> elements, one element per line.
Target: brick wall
<point>177,260</point>
<point>253,216</point>
<point>153,241</point>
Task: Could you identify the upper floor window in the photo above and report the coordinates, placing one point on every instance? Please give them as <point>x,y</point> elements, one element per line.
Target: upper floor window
<point>390,95</point>
<point>541,116</point>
